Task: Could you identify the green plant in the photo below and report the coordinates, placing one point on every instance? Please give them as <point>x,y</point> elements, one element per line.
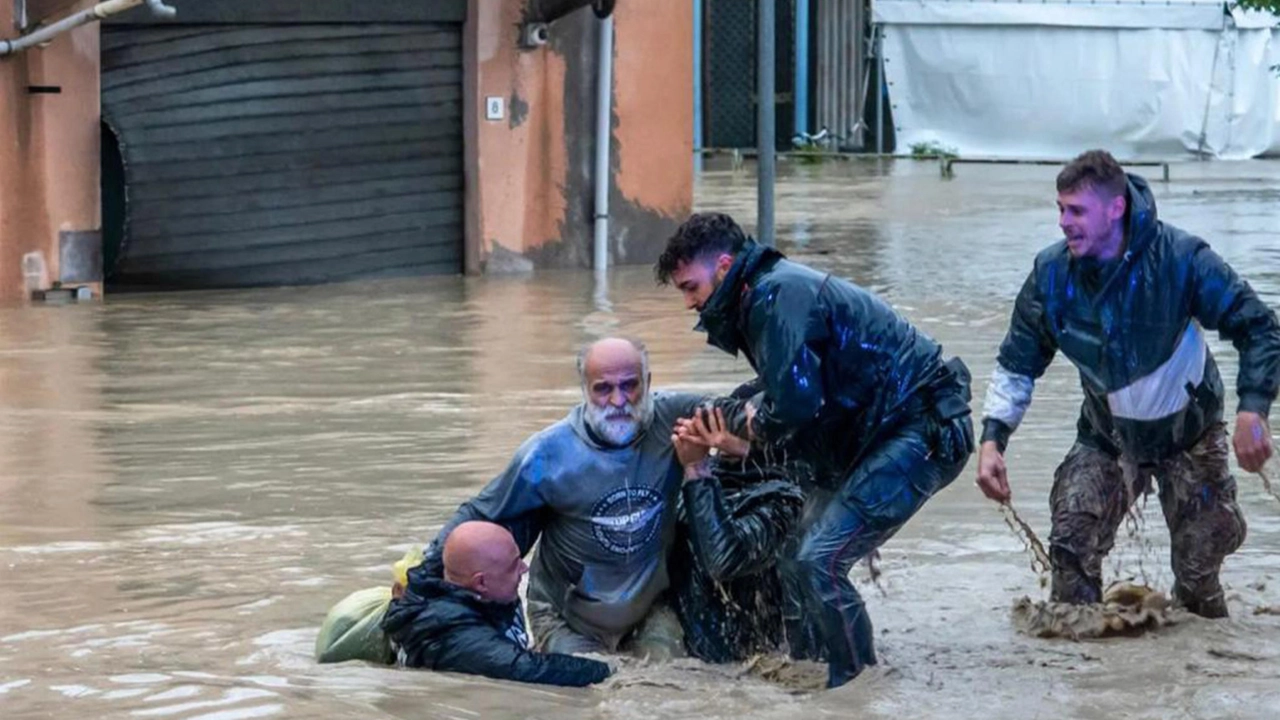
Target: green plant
<point>810,153</point>
<point>1269,5</point>
<point>933,149</point>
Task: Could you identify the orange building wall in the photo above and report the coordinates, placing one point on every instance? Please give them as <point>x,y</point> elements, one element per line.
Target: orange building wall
<point>48,151</point>
<point>653,104</point>
<point>530,176</point>
<point>532,188</point>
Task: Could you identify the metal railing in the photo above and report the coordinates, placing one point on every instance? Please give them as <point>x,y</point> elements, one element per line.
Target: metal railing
<point>946,163</point>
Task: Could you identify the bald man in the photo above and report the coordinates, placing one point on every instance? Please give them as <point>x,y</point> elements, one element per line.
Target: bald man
<point>600,489</point>
<point>470,620</point>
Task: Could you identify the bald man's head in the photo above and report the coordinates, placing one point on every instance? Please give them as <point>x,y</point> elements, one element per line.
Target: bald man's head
<point>484,558</point>
<point>615,385</point>
<point>612,352</point>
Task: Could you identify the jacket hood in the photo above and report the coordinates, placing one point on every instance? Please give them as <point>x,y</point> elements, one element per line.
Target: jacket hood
<point>1142,216</point>
<point>717,317</point>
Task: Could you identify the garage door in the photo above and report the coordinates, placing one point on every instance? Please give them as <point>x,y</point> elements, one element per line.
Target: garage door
<point>259,148</point>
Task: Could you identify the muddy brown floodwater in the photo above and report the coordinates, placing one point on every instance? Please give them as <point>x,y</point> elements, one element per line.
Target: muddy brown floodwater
<point>191,480</point>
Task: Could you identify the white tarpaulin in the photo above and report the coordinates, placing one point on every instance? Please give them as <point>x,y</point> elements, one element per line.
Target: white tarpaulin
<point>1049,79</point>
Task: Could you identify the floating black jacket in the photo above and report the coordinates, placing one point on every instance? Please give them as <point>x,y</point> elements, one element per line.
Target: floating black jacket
<point>725,584</point>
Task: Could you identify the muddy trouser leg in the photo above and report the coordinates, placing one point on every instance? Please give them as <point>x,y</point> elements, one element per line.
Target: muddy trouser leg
<point>1198,496</point>
<point>552,634</point>
<point>878,496</point>
<point>804,638</point>
<point>659,636</point>
<point>799,620</point>
<point>1088,502</point>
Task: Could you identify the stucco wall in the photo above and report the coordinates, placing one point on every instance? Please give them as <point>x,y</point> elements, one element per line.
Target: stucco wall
<point>533,170</point>
<point>530,175</point>
<point>48,152</point>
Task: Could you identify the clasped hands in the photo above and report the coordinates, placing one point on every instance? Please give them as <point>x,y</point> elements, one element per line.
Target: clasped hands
<point>707,434</point>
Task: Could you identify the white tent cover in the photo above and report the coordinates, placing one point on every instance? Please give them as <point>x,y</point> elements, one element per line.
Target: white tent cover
<point>1049,78</point>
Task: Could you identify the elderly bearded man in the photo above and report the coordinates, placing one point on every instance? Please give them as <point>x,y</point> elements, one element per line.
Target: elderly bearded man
<point>600,489</point>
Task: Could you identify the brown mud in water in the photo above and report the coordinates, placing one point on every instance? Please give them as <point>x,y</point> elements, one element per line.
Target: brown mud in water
<point>1266,484</point>
<point>191,480</point>
<point>1126,609</point>
<point>797,675</point>
<point>1040,563</point>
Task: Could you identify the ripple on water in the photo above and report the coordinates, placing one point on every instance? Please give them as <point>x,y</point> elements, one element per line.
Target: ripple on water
<point>191,480</point>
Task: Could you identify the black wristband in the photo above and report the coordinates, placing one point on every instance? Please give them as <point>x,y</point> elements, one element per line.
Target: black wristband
<point>997,431</point>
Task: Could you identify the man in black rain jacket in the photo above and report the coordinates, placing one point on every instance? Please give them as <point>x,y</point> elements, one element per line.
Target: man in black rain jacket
<point>1127,299</point>
<point>859,392</point>
<point>470,620</point>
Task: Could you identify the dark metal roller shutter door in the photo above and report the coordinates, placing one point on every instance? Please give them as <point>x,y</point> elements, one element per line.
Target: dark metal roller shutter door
<point>285,154</point>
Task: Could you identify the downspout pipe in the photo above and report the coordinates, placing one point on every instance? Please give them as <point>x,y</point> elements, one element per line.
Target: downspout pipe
<point>698,77</point>
<point>94,14</point>
<point>604,135</point>
<point>801,90</point>
<point>547,11</point>
<point>882,90</point>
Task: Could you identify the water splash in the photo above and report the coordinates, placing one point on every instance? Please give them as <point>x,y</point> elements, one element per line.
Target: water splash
<point>1040,564</point>
<point>1266,483</point>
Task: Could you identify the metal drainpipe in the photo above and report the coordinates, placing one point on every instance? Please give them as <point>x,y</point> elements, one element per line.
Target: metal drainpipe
<point>878,35</point>
<point>697,77</point>
<point>604,133</point>
<point>94,14</point>
<point>801,89</point>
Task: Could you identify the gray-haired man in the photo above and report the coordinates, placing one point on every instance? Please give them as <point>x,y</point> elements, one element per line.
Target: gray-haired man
<point>599,488</point>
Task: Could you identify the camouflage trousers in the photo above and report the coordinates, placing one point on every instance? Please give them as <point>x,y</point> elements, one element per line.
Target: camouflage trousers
<point>1092,492</point>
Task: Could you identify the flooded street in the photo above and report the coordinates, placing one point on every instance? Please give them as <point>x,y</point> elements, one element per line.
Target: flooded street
<point>192,480</point>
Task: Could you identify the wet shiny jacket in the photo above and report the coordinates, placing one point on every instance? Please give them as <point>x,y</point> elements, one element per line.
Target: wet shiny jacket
<point>725,585</point>
<point>440,626</point>
<point>1133,328</point>
<point>841,369</point>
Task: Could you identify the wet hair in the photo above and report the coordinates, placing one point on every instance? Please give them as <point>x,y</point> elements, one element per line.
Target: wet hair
<point>586,350</point>
<point>748,389</point>
<point>703,234</point>
<point>1096,170</point>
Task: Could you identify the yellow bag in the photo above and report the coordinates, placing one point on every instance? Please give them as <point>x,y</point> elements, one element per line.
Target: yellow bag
<point>352,629</point>
<point>411,560</point>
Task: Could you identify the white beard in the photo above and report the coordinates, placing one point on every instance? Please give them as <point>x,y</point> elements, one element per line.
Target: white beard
<point>619,426</point>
